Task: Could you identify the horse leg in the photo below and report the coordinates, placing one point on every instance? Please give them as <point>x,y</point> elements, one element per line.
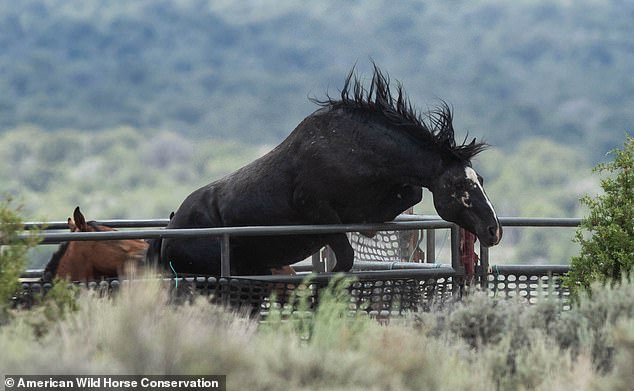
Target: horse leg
<point>320,212</point>
<point>344,252</point>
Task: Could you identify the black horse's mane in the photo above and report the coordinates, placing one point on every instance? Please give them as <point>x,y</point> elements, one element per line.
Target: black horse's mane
<point>435,127</point>
<point>51,267</point>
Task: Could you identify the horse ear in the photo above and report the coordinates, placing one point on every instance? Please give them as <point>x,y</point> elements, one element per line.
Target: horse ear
<point>80,221</point>
<point>71,225</point>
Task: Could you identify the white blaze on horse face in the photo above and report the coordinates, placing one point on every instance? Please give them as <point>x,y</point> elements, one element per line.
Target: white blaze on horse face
<point>473,177</point>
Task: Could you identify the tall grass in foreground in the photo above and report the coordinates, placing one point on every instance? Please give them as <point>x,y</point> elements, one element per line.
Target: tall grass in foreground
<point>480,344</point>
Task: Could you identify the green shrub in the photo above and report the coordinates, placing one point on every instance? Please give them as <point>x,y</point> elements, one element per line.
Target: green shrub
<point>13,259</point>
<point>13,252</point>
<point>609,251</point>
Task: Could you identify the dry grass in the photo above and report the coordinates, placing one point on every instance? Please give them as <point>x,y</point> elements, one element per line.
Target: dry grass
<point>478,345</point>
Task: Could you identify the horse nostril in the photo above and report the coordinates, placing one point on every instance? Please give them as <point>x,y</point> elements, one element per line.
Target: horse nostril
<point>493,231</point>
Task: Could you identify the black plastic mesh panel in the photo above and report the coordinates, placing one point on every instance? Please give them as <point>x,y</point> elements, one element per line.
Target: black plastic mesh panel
<point>530,283</point>
<point>380,294</point>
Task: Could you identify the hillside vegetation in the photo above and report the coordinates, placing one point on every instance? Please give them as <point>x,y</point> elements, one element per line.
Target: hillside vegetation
<point>118,173</point>
<point>242,70</point>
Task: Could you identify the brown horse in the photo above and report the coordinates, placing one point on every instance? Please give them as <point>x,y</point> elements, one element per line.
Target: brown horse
<point>92,260</point>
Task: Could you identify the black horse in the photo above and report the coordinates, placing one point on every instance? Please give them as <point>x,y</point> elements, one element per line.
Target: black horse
<point>363,158</point>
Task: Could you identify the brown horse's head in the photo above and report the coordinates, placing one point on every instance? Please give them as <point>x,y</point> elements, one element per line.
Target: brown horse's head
<point>92,260</point>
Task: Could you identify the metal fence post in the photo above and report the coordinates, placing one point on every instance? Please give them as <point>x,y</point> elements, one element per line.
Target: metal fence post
<point>455,249</point>
<point>458,278</point>
<point>431,245</point>
<point>225,256</point>
<point>484,267</point>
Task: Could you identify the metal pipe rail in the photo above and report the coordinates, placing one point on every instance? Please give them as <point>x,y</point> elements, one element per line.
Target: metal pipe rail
<point>402,222</point>
<point>360,275</point>
<point>115,223</point>
<point>148,223</point>
<point>226,232</point>
<point>269,230</point>
<point>359,266</point>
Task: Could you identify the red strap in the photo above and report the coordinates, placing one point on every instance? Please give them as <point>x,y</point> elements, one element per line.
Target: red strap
<point>468,256</point>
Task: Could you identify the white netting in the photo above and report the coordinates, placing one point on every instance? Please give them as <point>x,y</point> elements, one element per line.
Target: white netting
<point>384,246</point>
<point>388,246</point>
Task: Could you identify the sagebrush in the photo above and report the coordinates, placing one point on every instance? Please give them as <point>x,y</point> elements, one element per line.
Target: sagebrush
<point>479,344</point>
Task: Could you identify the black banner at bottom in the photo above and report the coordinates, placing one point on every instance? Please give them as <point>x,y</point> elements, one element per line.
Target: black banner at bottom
<point>115,382</point>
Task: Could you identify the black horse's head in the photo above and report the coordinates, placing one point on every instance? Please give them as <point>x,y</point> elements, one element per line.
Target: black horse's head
<point>444,166</point>
<point>460,198</point>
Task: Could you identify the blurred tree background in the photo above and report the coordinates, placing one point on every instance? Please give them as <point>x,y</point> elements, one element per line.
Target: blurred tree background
<point>125,107</point>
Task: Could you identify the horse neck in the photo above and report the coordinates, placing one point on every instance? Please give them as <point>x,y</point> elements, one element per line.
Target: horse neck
<point>66,269</point>
<point>418,164</point>
<point>432,164</point>
<point>413,161</point>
